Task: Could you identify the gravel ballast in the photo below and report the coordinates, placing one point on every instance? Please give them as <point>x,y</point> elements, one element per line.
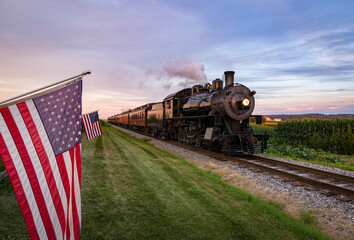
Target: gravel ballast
<point>335,217</point>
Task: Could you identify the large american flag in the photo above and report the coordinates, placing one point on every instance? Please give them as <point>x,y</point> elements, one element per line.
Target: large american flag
<point>92,125</point>
<point>40,145</point>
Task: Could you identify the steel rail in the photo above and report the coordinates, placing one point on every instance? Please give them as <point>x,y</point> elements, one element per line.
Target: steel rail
<point>306,168</point>
<point>302,176</point>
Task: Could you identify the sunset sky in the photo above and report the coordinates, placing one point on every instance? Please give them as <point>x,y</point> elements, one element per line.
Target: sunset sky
<point>297,55</point>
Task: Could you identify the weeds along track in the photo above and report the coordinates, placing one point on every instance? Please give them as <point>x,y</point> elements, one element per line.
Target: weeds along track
<point>312,179</point>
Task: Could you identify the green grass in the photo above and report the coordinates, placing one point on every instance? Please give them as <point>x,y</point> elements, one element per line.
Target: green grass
<point>304,154</point>
<point>308,217</point>
<point>2,167</point>
<point>277,147</point>
<point>12,224</point>
<point>132,190</point>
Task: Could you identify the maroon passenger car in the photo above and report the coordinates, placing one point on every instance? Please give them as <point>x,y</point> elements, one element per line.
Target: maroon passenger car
<point>138,117</point>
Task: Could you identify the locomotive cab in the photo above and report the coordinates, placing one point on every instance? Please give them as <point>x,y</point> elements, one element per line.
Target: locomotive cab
<point>173,103</point>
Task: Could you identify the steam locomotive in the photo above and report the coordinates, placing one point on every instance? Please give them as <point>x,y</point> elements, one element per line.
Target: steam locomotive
<point>210,116</point>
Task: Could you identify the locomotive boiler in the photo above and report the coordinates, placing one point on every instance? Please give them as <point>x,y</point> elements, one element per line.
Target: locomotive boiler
<point>209,116</point>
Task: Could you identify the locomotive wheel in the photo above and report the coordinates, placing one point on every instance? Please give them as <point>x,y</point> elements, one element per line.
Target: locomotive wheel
<point>173,134</point>
<point>180,134</point>
<point>185,135</point>
<point>198,140</point>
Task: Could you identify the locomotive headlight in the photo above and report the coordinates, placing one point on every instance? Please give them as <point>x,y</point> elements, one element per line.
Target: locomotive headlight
<point>246,102</point>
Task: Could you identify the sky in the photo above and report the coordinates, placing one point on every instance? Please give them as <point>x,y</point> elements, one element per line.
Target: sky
<point>298,55</point>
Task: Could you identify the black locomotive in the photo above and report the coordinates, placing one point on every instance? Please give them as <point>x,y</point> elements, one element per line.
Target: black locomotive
<point>210,116</point>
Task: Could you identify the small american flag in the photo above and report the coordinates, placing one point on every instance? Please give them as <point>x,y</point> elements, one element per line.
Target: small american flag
<point>91,125</point>
<point>40,145</point>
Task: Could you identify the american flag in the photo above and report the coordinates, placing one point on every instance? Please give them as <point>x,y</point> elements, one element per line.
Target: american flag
<point>40,145</point>
<point>92,125</point>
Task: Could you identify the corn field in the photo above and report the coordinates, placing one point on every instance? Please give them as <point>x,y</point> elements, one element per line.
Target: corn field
<point>331,135</point>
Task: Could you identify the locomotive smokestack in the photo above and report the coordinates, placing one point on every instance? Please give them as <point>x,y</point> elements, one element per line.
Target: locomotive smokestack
<point>229,78</point>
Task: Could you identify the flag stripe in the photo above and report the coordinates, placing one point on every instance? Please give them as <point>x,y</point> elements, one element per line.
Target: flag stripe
<point>89,127</point>
<point>64,176</point>
<point>92,129</point>
<point>20,194</point>
<point>31,163</point>
<point>78,181</point>
<point>20,181</point>
<point>86,126</point>
<point>50,154</point>
<point>68,166</point>
<point>77,193</point>
<point>78,161</point>
<point>65,171</point>
<point>48,174</point>
<point>76,223</point>
<point>98,128</point>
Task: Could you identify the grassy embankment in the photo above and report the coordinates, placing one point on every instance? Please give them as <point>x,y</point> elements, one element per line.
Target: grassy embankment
<point>132,190</point>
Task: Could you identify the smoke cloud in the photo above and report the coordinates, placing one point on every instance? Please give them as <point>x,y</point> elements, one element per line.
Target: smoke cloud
<point>180,72</point>
<point>191,71</point>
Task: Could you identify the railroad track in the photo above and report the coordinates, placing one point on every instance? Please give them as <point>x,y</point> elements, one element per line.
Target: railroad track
<point>312,179</point>
<point>329,183</point>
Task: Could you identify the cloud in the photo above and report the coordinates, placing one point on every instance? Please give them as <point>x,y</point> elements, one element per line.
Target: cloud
<point>336,39</point>
<point>285,50</point>
<point>316,70</point>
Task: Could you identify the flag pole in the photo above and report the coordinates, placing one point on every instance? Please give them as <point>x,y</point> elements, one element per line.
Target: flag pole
<point>39,89</point>
<point>90,112</point>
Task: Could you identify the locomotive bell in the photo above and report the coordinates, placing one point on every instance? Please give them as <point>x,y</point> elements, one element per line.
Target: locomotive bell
<point>229,78</point>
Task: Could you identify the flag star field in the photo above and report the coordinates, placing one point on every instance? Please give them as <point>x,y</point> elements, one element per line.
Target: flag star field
<point>63,121</point>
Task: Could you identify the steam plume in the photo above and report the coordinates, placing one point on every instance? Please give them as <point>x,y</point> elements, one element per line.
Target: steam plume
<point>190,71</point>
<point>179,72</point>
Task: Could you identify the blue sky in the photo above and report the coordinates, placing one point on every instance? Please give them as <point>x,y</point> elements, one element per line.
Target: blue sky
<point>297,55</point>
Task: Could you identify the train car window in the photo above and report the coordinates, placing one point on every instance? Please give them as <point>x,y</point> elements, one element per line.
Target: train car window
<point>168,105</point>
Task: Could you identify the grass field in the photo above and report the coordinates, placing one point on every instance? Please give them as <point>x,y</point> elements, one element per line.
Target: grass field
<point>132,190</point>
